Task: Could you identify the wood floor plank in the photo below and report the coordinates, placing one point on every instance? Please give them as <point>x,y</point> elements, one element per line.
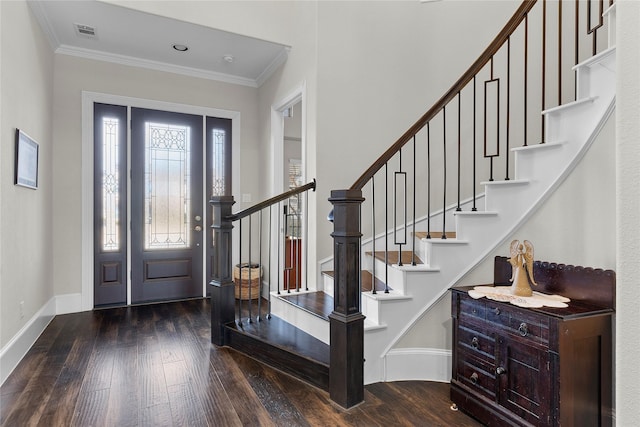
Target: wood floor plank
<point>155,366</point>
<point>275,401</point>
<point>124,399</point>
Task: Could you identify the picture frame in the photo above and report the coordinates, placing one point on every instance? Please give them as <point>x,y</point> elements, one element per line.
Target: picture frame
<point>26,165</point>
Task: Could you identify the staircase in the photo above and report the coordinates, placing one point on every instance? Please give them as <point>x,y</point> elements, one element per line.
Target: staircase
<point>539,169</point>
<point>411,275</point>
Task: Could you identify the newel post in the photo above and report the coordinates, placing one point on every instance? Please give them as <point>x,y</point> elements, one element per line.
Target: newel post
<point>221,285</point>
<point>346,373</point>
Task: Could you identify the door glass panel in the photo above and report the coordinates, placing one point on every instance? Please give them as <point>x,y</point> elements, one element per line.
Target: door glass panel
<point>167,186</point>
<point>218,161</point>
<point>110,184</point>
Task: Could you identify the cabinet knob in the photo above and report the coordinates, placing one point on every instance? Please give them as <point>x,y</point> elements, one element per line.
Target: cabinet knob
<point>500,370</point>
<point>474,378</point>
<point>523,329</point>
<point>496,311</point>
<point>475,343</point>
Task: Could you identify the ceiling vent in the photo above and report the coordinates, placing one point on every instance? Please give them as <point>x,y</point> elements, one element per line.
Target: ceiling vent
<point>85,31</point>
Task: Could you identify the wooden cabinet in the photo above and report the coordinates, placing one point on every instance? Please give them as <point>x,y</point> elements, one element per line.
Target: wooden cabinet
<point>541,367</point>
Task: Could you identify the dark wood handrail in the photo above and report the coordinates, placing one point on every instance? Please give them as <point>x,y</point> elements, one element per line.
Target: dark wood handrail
<point>475,68</point>
<point>272,201</point>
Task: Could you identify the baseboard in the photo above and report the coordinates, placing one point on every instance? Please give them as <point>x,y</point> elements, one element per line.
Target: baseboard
<point>14,351</point>
<point>68,303</point>
<point>423,364</point>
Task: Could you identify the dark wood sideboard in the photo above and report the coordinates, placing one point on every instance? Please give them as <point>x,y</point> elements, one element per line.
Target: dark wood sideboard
<point>544,366</point>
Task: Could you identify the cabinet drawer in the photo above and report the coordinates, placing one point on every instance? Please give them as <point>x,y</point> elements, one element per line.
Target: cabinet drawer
<point>477,374</point>
<point>521,323</point>
<point>472,310</point>
<point>477,343</point>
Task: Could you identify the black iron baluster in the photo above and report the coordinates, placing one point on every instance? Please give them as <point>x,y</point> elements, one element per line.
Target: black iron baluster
<point>306,242</point>
<point>238,284</point>
<point>403,175</point>
<point>279,231</point>
<point>444,171</point>
<point>458,208</point>
<point>428,182</point>
<point>560,53</point>
<point>474,208</point>
<point>576,53</point>
<point>373,233</point>
<point>508,108</point>
<point>544,64</point>
<point>250,267</point>
<point>259,317</point>
<point>269,262</point>
<point>386,228</point>
<point>413,229</point>
<point>526,75</point>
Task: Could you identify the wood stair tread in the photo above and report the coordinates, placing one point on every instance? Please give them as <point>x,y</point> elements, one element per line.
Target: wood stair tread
<point>435,234</point>
<point>316,303</point>
<point>393,257</point>
<point>366,279</point>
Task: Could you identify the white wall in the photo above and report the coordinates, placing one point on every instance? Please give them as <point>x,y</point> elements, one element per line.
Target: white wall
<point>25,214</point>
<point>628,213</point>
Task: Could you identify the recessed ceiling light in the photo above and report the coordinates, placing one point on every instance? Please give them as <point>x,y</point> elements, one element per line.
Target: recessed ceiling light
<point>228,58</point>
<point>180,47</point>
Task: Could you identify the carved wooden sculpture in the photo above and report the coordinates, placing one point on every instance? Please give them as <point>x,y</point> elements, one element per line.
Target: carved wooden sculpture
<point>522,268</point>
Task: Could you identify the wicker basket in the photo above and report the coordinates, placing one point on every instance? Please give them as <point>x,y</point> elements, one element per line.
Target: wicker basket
<point>241,273</point>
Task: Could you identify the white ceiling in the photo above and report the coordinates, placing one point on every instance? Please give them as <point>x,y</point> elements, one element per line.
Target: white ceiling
<point>140,39</point>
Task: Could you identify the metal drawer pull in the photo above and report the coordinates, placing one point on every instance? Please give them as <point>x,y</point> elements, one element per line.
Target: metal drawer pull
<point>496,311</point>
<point>500,370</point>
<point>474,378</point>
<point>475,343</point>
<point>523,329</point>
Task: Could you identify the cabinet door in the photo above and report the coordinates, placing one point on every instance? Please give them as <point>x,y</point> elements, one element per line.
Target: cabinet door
<point>523,374</point>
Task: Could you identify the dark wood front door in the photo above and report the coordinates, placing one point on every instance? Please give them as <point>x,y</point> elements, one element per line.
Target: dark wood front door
<point>167,223</point>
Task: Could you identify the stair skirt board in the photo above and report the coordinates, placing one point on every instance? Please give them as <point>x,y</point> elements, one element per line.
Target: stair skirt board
<point>422,364</point>
<point>302,319</point>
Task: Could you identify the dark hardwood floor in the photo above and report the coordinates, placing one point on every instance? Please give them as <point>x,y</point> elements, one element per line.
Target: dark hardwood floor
<point>153,365</point>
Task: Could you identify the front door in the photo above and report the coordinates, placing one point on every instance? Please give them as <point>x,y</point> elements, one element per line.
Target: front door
<point>166,205</point>
<point>149,218</point>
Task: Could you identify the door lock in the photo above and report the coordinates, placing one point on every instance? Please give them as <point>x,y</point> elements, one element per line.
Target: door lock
<point>197,228</point>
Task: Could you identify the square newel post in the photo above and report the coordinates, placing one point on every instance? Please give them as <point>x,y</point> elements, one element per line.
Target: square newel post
<point>346,322</point>
<point>222,286</point>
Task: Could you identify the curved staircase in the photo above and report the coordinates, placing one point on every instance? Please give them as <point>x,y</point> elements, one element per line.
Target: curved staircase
<point>539,169</point>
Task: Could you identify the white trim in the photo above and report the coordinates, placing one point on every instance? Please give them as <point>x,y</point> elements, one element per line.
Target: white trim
<point>159,66</point>
<point>68,303</point>
<point>418,364</point>
<point>12,353</point>
<point>88,98</point>
<point>299,94</point>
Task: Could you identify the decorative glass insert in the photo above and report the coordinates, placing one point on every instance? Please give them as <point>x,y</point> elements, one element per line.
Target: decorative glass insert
<point>218,160</point>
<point>295,205</point>
<point>167,186</point>
<point>110,185</point>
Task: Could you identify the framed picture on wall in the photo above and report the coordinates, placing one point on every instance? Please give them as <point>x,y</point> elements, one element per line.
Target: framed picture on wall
<point>26,161</point>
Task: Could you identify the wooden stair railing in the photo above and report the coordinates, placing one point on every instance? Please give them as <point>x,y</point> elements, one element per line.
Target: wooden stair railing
<point>223,295</point>
<point>547,75</point>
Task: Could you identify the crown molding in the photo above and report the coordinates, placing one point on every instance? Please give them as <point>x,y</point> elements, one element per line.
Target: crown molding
<point>273,66</point>
<point>154,65</point>
<point>45,24</point>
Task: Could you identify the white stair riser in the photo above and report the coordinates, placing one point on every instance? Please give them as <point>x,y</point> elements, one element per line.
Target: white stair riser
<point>309,323</point>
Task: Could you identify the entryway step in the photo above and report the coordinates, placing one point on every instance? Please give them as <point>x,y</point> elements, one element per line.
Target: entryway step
<point>282,346</point>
